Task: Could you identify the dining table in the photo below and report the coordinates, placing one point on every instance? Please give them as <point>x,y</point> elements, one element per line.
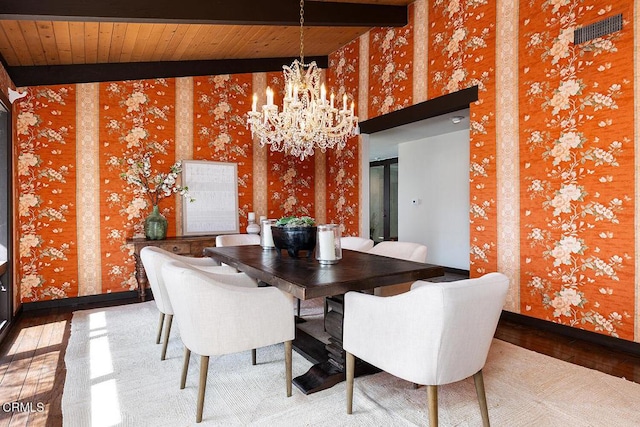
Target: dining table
<point>305,278</point>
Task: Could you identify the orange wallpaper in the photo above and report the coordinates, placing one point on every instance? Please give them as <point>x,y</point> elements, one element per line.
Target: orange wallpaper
<point>45,132</point>
<point>462,53</point>
<point>390,68</point>
<point>343,166</point>
<point>220,132</point>
<point>135,117</point>
<point>291,185</point>
<point>577,168</point>
<point>576,255</point>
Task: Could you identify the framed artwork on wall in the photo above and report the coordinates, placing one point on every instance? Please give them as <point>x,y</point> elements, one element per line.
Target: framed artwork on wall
<point>213,186</point>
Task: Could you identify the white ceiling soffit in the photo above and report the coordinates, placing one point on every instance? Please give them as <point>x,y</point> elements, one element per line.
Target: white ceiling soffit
<point>384,144</point>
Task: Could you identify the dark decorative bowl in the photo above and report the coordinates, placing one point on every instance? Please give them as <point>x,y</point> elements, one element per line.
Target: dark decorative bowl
<point>294,239</point>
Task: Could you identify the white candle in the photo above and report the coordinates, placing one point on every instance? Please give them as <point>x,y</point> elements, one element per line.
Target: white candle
<point>323,93</point>
<point>252,216</point>
<point>332,97</point>
<point>327,245</point>
<point>269,96</point>
<point>267,236</point>
<point>255,103</point>
<point>352,107</point>
<point>344,102</point>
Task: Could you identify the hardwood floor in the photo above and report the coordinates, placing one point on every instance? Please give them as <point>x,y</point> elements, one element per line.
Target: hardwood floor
<point>32,369</point>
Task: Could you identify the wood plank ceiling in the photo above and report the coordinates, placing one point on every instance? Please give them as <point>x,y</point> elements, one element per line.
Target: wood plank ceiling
<point>74,41</point>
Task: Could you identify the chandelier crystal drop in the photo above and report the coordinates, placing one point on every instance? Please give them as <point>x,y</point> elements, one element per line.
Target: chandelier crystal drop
<point>308,119</point>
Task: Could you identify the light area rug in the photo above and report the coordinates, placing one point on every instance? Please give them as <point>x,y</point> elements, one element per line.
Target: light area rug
<point>115,377</point>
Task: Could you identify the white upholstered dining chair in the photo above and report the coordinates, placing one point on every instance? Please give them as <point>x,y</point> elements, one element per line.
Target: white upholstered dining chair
<point>408,251</point>
<point>215,319</point>
<point>435,334</point>
<point>243,240</point>
<point>152,259</point>
<point>356,243</point>
<point>237,239</point>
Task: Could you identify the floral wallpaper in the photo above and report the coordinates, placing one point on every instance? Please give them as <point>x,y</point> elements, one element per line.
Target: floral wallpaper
<point>462,52</point>
<point>291,185</point>
<point>572,113</point>
<point>220,106</point>
<point>390,68</point>
<point>577,169</point>
<point>45,132</point>
<point>136,117</point>
<point>343,166</point>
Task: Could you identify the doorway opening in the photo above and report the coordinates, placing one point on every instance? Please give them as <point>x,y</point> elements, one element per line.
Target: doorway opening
<point>429,144</point>
<point>383,200</point>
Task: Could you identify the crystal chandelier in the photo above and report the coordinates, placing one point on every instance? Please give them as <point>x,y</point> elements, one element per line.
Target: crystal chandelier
<point>307,120</point>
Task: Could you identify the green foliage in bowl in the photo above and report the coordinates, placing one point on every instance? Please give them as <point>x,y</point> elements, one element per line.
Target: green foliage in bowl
<point>296,221</point>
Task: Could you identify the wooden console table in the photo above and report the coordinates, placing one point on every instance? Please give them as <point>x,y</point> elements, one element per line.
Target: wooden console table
<point>180,245</point>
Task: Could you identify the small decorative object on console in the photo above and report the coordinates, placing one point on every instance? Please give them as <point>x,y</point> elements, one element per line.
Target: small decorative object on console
<point>252,227</point>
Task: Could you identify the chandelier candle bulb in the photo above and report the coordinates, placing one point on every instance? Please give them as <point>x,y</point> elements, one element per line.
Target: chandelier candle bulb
<point>269,96</point>
<point>255,103</point>
<point>344,102</point>
<point>251,216</point>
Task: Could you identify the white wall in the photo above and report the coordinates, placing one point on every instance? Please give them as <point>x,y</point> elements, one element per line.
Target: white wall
<point>364,185</point>
<point>435,171</point>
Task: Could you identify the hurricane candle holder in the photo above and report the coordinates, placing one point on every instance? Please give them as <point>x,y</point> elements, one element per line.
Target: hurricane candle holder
<point>328,250</point>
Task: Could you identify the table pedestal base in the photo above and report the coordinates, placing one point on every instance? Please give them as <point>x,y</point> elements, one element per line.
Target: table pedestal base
<point>329,359</point>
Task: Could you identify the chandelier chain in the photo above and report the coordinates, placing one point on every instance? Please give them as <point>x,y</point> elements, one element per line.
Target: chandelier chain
<point>302,31</point>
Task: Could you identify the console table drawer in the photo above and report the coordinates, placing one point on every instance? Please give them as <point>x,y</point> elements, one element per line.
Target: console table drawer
<point>180,248</point>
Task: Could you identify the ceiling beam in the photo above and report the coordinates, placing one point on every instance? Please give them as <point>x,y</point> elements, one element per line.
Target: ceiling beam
<point>90,73</point>
<point>423,110</point>
<point>229,12</point>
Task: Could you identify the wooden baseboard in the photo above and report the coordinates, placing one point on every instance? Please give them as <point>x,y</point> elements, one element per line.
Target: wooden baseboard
<point>79,302</point>
<point>607,341</point>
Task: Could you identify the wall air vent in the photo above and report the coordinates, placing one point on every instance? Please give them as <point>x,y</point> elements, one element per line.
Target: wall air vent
<point>598,29</point>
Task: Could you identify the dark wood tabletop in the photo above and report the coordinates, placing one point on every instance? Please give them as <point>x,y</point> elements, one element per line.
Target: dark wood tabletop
<point>306,278</point>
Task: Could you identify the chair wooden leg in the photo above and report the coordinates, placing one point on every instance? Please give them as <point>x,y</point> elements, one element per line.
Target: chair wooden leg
<point>167,330</point>
<point>185,367</point>
<point>160,328</point>
<point>432,395</point>
<point>253,357</point>
<point>478,379</point>
<point>288,353</point>
<point>351,363</point>
<point>204,368</point>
